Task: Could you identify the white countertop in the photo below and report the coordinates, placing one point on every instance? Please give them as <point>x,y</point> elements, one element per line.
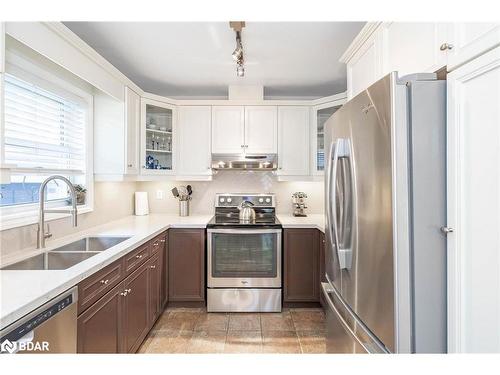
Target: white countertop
<point>310,221</point>
<point>23,291</point>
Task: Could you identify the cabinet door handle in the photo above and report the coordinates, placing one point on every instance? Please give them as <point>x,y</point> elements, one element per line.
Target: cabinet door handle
<point>129,165</point>
<point>153,267</point>
<point>155,244</point>
<point>138,256</point>
<point>128,290</point>
<point>124,294</point>
<point>242,146</point>
<point>162,240</point>
<point>105,282</point>
<point>446,46</point>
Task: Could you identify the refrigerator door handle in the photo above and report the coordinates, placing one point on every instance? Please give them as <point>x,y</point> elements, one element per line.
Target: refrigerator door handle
<point>327,291</point>
<point>340,148</point>
<point>371,345</point>
<point>331,197</point>
<point>346,209</point>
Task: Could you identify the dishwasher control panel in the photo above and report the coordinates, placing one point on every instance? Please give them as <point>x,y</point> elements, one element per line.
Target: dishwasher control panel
<point>32,323</point>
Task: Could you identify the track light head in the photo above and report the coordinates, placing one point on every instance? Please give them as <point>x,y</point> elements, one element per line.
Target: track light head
<point>240,71</point>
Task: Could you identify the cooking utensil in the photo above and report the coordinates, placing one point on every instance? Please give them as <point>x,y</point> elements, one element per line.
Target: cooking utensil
<point>189,189</point>
<point>175,192</point>
<point>183,193</point>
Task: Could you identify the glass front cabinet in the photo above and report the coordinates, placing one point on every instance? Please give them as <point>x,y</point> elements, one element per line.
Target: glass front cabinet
<point>321,113</point>
<point>157,137</point>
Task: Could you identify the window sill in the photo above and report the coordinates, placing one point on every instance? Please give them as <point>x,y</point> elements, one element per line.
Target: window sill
<point>31,217</point>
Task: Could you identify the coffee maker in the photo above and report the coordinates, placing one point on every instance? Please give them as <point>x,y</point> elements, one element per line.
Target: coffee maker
<point>299,204</point>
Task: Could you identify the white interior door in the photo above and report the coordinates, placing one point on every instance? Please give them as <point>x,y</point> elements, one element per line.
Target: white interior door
<point>194,131</point>
<point>228,129</point>
<point>474,205</point>
<point>261,129</point>
<point>293,140</point>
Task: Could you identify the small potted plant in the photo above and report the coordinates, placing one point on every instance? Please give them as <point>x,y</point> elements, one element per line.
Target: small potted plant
<point>81,193</point>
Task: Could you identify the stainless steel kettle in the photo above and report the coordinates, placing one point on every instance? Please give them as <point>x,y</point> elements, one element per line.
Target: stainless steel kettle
<point>247,213</point>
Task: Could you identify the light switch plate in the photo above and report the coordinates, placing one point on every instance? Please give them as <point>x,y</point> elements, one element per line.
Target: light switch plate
<point>159,194</point>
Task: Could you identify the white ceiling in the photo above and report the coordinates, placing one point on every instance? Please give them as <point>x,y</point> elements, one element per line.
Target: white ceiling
<point>193,59</point>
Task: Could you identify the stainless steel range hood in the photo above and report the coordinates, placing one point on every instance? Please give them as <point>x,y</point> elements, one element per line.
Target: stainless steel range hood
<point>262,162</point>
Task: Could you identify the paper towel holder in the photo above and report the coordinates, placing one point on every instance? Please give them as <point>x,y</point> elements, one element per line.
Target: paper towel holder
<point>141,203</point>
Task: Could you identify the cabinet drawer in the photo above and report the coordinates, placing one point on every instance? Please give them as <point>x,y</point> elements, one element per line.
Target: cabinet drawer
<point>98,284</point>
<point>157,244</point>
<point>136,258</point>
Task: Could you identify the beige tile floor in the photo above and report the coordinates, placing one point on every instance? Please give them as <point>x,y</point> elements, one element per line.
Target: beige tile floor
<point>193,330</point>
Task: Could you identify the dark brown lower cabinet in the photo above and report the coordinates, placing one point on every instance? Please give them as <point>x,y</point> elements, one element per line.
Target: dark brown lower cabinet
<point>155,284</point>
<point>164,270</point>
<point>186,265</point>
<point>119,321</point>
<point>136,318</point>
<point>301,265</point>
<point>100,326</point>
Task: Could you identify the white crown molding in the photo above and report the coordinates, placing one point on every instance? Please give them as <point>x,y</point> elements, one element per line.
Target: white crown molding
<point>63,31</point>
<point>365,33</point>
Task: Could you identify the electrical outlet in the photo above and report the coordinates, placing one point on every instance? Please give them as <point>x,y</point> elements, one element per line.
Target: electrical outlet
<point>159,194</point>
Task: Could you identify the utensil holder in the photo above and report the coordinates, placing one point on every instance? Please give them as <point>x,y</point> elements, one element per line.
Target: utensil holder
<point>183,208</point>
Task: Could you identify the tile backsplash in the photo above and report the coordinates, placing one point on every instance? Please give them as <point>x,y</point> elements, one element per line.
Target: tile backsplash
<point>233,182</point>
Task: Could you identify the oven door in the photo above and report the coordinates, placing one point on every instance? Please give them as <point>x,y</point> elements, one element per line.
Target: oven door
<point>244,258</point>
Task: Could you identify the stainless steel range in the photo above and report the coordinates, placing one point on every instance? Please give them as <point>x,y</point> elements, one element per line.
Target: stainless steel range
<point>244,254</point>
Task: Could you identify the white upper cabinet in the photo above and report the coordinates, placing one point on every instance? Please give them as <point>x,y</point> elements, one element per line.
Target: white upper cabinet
<point>364,62</point>
<point>158,137</point>
<point>293,141</point>
<point>408,48</point>
<point>109,137</point>
<point>261,129</point>
<point>473,167</point>
<point>320,114</point>
<point>412,47</point>
<point>132,124</point>
<point>253,129</point>
<point>228,129</point>
<point>194,133</point>
<point>470,39</point>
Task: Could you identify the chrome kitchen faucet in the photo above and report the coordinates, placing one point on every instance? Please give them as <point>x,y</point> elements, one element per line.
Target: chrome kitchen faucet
<point>41,234</point>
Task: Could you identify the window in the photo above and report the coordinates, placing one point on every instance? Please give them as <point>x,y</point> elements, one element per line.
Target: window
<point>45,133</point>
<point>42,130</point>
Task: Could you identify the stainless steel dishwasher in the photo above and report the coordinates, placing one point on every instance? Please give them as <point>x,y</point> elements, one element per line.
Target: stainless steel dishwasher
<point>51,328</point>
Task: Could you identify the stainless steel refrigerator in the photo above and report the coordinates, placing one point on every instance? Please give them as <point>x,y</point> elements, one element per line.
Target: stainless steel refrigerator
<point>385,186</point>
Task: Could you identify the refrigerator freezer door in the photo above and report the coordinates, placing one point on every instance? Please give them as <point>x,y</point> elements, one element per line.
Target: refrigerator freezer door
<point>360,193</point>
<point>344,333</point>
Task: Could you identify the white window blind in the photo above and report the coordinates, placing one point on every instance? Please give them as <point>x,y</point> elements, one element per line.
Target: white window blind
<point>42,130</point>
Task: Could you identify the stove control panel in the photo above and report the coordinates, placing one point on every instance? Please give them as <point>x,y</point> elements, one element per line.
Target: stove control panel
<point>234,200</point>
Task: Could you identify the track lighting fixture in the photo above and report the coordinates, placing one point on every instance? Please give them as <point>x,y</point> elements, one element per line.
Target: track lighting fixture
<point>237,54</point>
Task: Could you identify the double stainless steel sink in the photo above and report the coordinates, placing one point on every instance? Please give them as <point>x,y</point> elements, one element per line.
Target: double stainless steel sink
<point>66,256</point>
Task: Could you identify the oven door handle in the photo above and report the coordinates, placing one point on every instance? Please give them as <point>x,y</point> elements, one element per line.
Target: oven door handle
<point>243,231</point>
